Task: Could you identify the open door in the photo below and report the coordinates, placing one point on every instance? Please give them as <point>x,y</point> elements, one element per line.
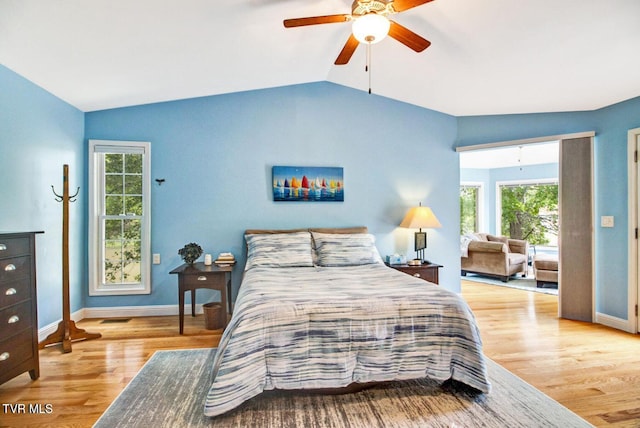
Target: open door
<point>575,288</point>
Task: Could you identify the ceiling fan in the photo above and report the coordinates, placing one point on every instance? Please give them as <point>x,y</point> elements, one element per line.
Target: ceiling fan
<point>370,25</point>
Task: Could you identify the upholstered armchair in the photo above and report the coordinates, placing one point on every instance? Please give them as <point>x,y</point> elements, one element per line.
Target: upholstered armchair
<point>494,256</point>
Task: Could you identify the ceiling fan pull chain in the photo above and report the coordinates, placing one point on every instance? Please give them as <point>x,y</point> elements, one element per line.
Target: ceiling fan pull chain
<point>368,67</point>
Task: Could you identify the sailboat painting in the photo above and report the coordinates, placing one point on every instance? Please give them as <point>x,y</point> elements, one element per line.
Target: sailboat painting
<point>308,183</point>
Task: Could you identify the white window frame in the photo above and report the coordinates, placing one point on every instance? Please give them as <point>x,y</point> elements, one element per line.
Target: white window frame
<point>96,195</point>
<point>524,182</point>
<point>480,202</point>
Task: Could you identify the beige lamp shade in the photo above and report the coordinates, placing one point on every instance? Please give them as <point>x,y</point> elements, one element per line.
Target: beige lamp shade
<point>419,217</point>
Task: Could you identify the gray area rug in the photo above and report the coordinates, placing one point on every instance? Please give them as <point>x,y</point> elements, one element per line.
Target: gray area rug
<point>169,392</point>
<point>528,284</point>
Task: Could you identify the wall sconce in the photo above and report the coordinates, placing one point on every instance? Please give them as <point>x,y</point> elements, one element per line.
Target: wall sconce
<point>417,218</point>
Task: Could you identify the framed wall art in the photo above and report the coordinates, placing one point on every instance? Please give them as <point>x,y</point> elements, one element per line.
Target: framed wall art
<point>308,184</point>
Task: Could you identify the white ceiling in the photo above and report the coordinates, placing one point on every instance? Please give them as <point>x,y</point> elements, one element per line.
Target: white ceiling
<point>486,57</point>
<point>503,157</point>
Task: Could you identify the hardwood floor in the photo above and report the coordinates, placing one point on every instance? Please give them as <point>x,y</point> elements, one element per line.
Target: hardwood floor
<point>592,370</point>
<point>79,386</point>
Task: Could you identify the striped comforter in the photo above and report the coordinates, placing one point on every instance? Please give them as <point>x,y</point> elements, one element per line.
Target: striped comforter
<point>327,327</point>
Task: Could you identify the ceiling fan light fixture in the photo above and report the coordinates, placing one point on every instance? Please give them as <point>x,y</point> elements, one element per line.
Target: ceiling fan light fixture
<point>370,28</point>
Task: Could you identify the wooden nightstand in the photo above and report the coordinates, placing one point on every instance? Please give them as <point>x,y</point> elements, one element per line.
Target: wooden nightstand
<point>213,277</point>
<point>428,271</point>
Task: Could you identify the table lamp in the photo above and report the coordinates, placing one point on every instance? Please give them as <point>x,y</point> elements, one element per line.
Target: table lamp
<point>417,218</point>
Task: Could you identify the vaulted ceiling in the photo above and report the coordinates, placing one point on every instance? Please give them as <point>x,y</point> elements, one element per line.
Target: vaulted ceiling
<point>486,57</point>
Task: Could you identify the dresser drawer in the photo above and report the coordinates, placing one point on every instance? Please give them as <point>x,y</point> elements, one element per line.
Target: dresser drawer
<point>16,350</point>
<point>15,318</point>
<point>14,268</point>
<point>203,279</point>
<point>12,292</point>
<point>10,247</point>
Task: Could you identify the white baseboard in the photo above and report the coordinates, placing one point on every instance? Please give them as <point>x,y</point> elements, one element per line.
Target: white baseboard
<point>613,322</point>
<point>118,312</point>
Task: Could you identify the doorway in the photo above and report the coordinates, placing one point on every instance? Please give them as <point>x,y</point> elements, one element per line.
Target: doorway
<point>633,145</point>
<point>575,177</point>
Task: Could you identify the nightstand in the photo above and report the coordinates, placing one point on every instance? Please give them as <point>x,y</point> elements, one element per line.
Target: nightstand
<point>427,271</point>
<point>198,275</point>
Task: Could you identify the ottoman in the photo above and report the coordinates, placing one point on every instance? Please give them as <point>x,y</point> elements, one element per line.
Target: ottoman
<point>545,269</point>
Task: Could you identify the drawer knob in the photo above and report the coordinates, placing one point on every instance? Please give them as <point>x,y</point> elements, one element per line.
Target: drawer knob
<point>4,356</point>
<point>202,278</point>
<point>3,247</point>
<point>10,292</point>
<point>9,267</point>
<point>13,319</point>
<point>417,275</point>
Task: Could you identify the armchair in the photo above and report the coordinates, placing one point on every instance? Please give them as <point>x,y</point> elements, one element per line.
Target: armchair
<point>495,256</point>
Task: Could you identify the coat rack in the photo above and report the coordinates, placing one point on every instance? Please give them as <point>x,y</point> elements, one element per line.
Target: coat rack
<point>67,330</point>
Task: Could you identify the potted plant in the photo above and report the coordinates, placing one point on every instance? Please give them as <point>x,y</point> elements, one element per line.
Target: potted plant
<point>190,252</point>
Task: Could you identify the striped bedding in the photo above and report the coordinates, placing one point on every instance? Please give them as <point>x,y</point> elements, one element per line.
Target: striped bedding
<point>327,327</point>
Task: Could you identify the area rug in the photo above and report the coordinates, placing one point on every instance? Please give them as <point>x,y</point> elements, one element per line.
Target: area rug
<point>169,392</point>
<point>527,284</point>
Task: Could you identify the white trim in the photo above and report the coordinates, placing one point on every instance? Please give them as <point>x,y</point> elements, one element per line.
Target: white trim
<point>526,141</point>
<point>632,209</point>
<point>613,322</point>
<point>139,311</point>
<point>95,288</point>
<point>120,312</point>
<point>481,202</point>
<point>514,182</point>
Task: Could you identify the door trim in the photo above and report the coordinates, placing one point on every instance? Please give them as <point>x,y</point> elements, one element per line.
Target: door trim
<point>633,141</point>
<point>526,141</point>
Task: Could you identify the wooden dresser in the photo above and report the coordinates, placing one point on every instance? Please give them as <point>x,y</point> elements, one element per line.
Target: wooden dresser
<point>18,306</point>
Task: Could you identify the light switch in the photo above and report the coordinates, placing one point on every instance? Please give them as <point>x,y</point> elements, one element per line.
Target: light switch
<point>156,259</point>
<point>606,221</point>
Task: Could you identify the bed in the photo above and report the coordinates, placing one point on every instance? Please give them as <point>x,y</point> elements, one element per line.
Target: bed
<point>318,309</point>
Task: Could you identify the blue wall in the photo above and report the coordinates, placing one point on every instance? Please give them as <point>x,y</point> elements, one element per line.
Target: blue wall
<point>39,133</point>
<point>611,125</point>
<point>488,177</point>
<point>611,198</point>
<point>216,154</point>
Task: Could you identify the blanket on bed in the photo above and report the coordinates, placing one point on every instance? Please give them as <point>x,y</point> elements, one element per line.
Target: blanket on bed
<point>319,327</point>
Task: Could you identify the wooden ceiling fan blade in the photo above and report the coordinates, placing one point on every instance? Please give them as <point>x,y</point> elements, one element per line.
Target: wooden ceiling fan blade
<point>314,20</point>
<point>347,51</point>
<point>402,5</point>
<point>408,37</point>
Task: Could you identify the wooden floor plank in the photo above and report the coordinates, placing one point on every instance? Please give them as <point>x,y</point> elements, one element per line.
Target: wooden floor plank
<point>593,370</point>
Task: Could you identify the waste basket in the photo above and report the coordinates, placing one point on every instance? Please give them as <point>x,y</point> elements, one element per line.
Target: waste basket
<point>212,315</point>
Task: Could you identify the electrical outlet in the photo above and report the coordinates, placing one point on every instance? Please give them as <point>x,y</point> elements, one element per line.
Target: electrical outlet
<point>606,221</point>
<point>156,259</point>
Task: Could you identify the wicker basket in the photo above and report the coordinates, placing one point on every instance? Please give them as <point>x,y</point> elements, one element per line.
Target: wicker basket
<point>212,314</point>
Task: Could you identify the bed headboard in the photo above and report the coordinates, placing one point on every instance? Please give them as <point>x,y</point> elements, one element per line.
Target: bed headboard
<point>355,229</point>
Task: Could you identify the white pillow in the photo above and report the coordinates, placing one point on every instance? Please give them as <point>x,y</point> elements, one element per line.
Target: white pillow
<point>279,250</point>
<point>348,249</point>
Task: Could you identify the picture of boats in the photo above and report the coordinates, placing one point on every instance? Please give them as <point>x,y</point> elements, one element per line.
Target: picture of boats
<point>308,184</point>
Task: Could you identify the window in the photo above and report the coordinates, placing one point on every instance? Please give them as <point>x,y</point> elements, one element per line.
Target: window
<point>470,208</point>
<point>119,217</point>
<point>529,210</point>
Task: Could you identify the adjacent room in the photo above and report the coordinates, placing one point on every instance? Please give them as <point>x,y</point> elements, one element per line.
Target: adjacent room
<point>210,209</point>
<point>511,191</point>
